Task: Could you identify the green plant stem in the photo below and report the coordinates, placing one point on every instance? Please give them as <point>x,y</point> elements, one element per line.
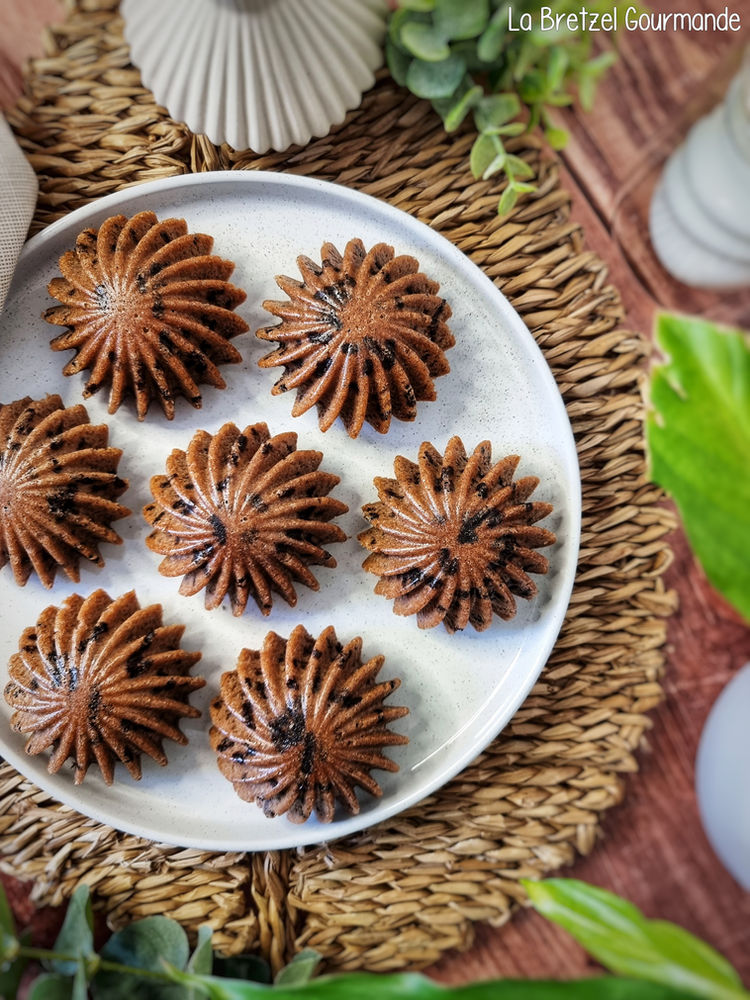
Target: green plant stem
<point>127,970</point>
<point>44,955</point>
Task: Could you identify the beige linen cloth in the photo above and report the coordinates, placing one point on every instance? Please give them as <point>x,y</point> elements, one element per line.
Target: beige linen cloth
<point>18,190</point>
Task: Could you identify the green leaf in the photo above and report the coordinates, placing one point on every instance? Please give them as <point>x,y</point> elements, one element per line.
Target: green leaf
<point>460,19</point>
<point>456,110</point>
<point>300,970</point>
<point>557,67</point>
<point>145,944</point>
<point>398,62</point>
<point>556,137</point>
<point>698,438</point>
<point>533,87</point>
<point>617,934</point>
<point>467,50</point>
<point>424,42</point>
<point>586,91</point>
<point>598,66</point>
<point>589,75</point>
<point>435,79</point>
<point>511,129</point>
<point>508,200</point>
<point>202,959</point>
<point>517,167</point>
<point>52,986</point>
<point>495,110</point>
<point>401,17</point>
<point>484,155</point>
<point>561,100</point>
<point>412,986</point>
<point>76,935</point>
<point>490,45</point>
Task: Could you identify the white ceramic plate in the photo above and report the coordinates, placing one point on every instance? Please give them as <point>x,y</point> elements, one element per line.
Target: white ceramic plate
<point>460,689</point>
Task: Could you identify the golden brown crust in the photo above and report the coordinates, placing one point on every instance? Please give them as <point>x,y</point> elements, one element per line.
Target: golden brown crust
<point>454,538</point>
<point>101,680</point>
<point>148,309</point>
<point>361,337</point>
<point>301,723</point>
<point>243,515</point>
<point>58,489</point>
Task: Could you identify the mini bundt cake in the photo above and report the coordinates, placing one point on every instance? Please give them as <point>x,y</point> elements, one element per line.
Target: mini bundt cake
<point>101,680</point>
<point>454,538</point>
<point>361,337</point>
<point>148,309</point>
<point>301,723</point>
<point>58,489</point>
<point>244,515</point>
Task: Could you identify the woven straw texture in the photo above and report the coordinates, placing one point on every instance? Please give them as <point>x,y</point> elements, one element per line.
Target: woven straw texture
<point>403,892</point>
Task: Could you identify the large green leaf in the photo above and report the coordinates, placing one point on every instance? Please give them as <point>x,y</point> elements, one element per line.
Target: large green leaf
<point>412,986</point>
<point>698,436</point>
<point>618,935</point>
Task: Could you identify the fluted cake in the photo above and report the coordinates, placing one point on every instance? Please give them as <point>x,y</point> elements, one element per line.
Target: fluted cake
<point>100,681</point>
<point>301,723</point>
<point>58,489</point>
<point>149,311</point>
<point>244,515</point>
<point>454,538</point>
<point>362,336</point>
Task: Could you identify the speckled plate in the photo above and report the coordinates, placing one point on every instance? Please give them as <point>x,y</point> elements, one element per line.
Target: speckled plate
<point>461,689</point>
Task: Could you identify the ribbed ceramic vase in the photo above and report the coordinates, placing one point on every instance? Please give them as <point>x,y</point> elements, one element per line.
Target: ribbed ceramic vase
<point>700,212</point>
<point>258,74</point>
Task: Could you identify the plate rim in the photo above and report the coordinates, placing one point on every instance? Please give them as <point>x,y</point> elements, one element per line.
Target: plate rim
<point>385,810</point>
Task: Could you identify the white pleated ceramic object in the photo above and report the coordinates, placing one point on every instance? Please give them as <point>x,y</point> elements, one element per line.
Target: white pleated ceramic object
<point>722,777</point>
<point>700,212</point>
<point>258,74</point>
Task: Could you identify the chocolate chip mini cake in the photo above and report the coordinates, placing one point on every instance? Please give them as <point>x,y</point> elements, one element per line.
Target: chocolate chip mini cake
<point>453,539</point>
<point>361,337</point>
<point>243,515</point>
<point>148,309</point>
<point>301,723</point>
<point>100,681</point>
<point>58,489</point>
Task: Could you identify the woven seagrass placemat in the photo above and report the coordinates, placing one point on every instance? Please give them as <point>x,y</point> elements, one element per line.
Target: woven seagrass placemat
<point>405,891</point>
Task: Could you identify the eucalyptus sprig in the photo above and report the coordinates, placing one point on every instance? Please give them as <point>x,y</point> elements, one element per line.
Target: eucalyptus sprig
<point>150,959</point>
<point>465,57</point>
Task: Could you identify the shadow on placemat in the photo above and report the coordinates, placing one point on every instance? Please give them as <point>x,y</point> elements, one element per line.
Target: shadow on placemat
<point>405,891</point>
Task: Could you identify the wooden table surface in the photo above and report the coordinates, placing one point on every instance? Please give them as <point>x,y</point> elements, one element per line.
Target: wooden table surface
<point>653,849</point>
